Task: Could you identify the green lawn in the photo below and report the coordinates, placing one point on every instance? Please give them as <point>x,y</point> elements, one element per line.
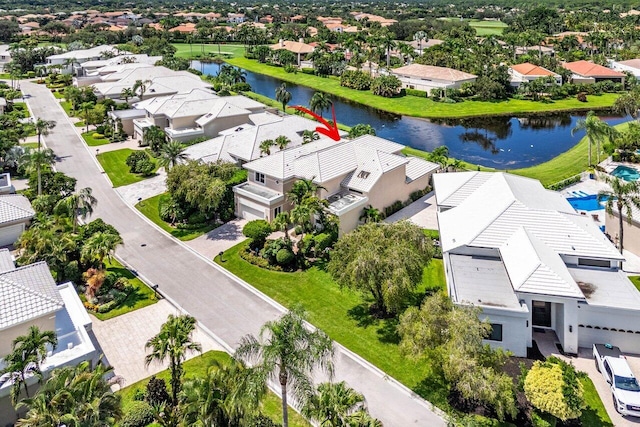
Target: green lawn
<point>409,151</point>
<point>486,28</point>
<point>595,415</point>
<point>29,145</point>
<point>343,314</point>
<point>196,50</point>
<point>636,281</point>
<point>80,124</point>
<point>113,163</point>
<point>58,95</point>
<point>90,140</point>
<point>422,107</point>
<point>141,297</point>
<point>197,367</point>
<point>23,107</point>
<point>565,165</point>
<point>67,107</point>
<point>149,208</point>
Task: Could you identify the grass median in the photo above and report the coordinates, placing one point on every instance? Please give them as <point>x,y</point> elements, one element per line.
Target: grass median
<point>424,107</point>
<point>90,139</point>
<point>114,164</point>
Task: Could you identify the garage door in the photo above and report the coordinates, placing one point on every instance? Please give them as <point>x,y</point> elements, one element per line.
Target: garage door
<point>250,213</point>
<point>9,235</point>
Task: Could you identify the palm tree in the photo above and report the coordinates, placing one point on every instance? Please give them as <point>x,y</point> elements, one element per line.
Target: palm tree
<point>154,137</point>
<point>440,155</point>
<point>281,222</point>
<point>74,396</point>
<point>42,129</point>
<point>628,104</point>
<point>100,246</point>
<point>140,87</point>
<point>85,113</point>
<point>28,352</point>
<point>302,189</point>
<point>596,131</point>
<point>320,102</point>
<point>370,214</point>
<point>387,40</point>
<point>282,142</point>
<point>287,351</point>
<point>624,196</point>
<point>171,153</point>
<point>419,37</point>
<point>173,342</point>
<point>77,204</point>
<point>265,146</point>
<point>127,93</point>
<point>35,161</point>
<point>362,418</point>
<point>333,405</point>
<point>309,135</point>
<point>283,96</point>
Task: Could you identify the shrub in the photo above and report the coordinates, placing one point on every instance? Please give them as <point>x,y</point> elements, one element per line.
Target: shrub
<point>241,87</point>
<point>415,92</point>
<point>358,80</point>
<point>285,257</point>
<point>157,393</point>
<point>290,69</point>
<point>582,97</point>
<point>140,414</point>
<point>72,272</point>
<point>305,246</point>
<point>258,261</point>
<point>323,241</point>
<point>272,247</point>
<point>197,218</point>
<point>386,86</point>
<point>103,308</point>
<point>134,158</point>
<point>393,208</point>
<point>257,230</point>
<point>97,135</point>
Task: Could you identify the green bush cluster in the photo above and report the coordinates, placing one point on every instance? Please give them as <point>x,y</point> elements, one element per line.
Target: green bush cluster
<point>387,86</point>
<point>257,230</point>
<point>139,414</point>
<point>139,162</point>
<point>354,79</point>
<point>565,183</point>
<point>415,92</point>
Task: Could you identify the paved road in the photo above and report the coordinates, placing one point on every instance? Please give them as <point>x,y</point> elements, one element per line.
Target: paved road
<point>219,301</point>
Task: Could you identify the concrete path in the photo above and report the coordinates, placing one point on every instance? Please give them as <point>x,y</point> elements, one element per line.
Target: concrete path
<point>123,340</point>
<point>113,146</point>
<point>221,302</point>
<point>144,189</point>
<point>422,212</point>
<point>222,238</point>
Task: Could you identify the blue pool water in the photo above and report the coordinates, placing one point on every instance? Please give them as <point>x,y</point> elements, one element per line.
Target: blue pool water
<point>626,173</point>
<point>589,203</point>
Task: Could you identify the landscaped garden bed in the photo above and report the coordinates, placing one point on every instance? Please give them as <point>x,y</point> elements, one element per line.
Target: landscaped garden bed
<point>115,165</point>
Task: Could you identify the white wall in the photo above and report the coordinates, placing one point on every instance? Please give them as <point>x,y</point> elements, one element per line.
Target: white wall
<point>516,329</point>
<point>606,317</point>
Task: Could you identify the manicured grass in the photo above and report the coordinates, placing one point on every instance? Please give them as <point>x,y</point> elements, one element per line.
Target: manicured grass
<point>423,107</point>
<point>80,124</point>
<point>23,107</point>
<point>90,140</point>
<point>636,281</point>
<point>58,95</point>
<point>197,50</point>
<point>29,145</point>
<point>570,163</point>
<point>595,415</point>
<point>344,316</point>
<point>409,151</point>
<point>141,297</point>
<point>149,208</point>
<point>67,107</point>
<point>486,28</point>
<point>113,163</point>
<point>197,367</point>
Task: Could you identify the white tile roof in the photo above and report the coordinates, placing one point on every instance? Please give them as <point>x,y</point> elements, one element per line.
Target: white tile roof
<point>27,293</point>
<point>221,108</point>
<point>372,164</point>
<point>6,260</point>
<point>15,207</point>
<point>94,52</point>
<point>417,168</point>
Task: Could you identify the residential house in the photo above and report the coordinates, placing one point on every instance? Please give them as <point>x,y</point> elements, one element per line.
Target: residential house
<point>5,55</point>
<point>527,72</point>
<point>195,114</point>
<point>531,263</point>
<point>384,22</point>
<point>91,68</point>
<point>420,47</point>
<point>299,48</point>
<point>352,174</point>
<point>5,184</point>
<point>235,18</point>
<point>30,297</point>
<point>535,50</point>
<point>187,28</point>
<point>427,77</point>
<point>631,66</point>
<point>15,213</point>
<point>588,72</point>
<point>65,60</point>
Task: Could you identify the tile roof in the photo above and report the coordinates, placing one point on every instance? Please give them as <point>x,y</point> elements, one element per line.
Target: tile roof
<point>6,260</point>
<point>295,47</point>
<point>528,69</point>
<point>633,63</point>
<point>27,293</point>
<point>221,109</point>
<point>589,69</point>
<point>372,164</point>
<point>417,168</point>
<point>432,72</point>
<point>15,207</point>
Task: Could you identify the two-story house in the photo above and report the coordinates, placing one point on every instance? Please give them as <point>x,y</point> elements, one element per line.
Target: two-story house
<point>352,174</point>
<point>533,265</point>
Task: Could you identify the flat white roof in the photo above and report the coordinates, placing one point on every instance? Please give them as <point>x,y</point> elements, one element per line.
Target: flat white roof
<point>606,287</point>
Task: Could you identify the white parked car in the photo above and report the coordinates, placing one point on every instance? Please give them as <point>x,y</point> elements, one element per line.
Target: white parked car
<point>624,385</point>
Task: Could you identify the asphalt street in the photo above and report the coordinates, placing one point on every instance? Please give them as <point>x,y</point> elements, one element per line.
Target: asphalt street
<point>220,302</point>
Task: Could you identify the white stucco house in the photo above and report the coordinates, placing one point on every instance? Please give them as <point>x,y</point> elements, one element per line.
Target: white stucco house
<point>531,263</point>
<point>67,61</point>
<point>527,72</point>
<point>631,65</point>
<point>15,213</point>
<point>427,77</point>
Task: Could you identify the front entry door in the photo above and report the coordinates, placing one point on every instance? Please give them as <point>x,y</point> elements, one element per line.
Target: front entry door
<point>541,313</point>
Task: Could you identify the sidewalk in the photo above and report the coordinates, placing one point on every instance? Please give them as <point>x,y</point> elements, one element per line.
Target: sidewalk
<point>422,212</point>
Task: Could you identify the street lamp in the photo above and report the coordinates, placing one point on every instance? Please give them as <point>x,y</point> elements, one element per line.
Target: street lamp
<point>220,254</point>
<point>155,291</point>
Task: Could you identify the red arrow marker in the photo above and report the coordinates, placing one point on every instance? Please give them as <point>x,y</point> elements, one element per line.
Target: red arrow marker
<point>331,130</point>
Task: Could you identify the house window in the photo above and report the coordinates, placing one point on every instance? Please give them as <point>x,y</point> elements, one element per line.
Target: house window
<point>259,177</point>
<point>594,262</point>
<point>277,211</point>
<point>496,332</point>
<point>364,174</point>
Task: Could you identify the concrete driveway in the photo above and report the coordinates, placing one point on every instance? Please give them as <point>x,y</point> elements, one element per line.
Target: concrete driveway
<point>422,212</point>
<point>220,239</point>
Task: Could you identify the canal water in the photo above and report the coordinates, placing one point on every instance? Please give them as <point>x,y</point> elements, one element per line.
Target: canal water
<point>501,142</point>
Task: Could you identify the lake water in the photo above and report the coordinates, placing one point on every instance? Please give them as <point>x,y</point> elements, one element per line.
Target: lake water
<point>500,142</point>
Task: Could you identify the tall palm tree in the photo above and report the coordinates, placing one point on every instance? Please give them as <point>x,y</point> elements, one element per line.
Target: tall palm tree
<point>387,40</point>
<point>283,96</point>
<point>74,396</point>
<point>281,222</point>
<point>85,113</point>
<point>419,37</point>
<point>140,87</point>
<point>628,103</point>
<point>170,154</point>
<point>127,94</point>
<point>42,129</point>
<point>288,352</point>
<point>100,246</point>
<point>333,405</point>
<point>154,137</point>
<point>28,352</point>
<point>265,146</point>
<point>596,131</point>
<point>319,102</point>
<point>173,343</point>
<point>79,204</point>
<point>35,161</point>
<point>624,196</point>
<point>282,142</point>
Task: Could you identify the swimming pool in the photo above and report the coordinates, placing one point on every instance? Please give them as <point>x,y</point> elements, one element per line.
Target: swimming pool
<point>626,173</point>
<point>589,203</point>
